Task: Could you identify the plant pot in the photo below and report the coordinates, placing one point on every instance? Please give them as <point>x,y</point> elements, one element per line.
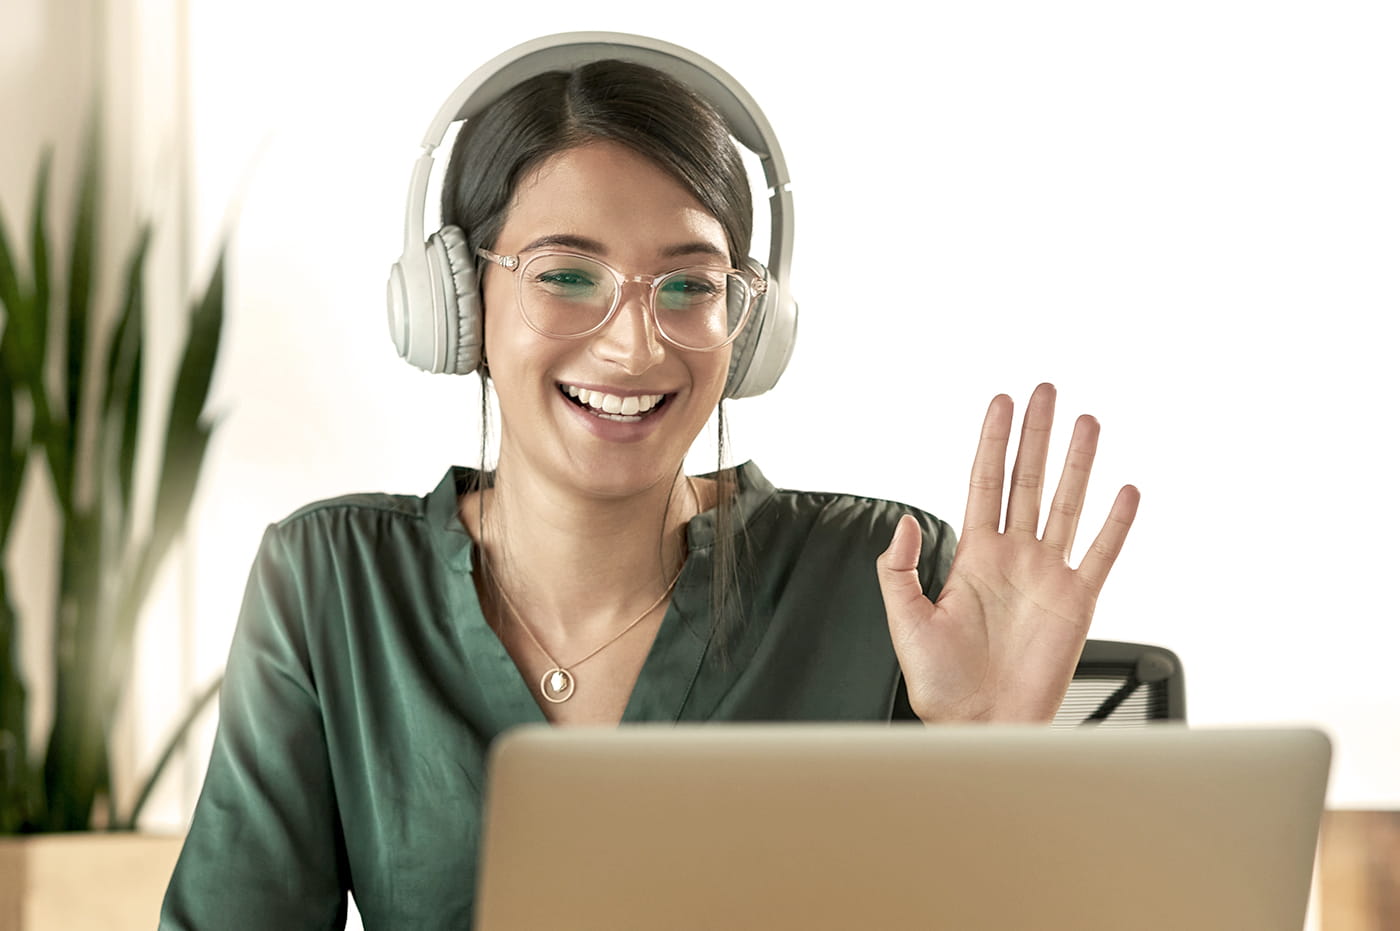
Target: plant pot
<point>82,881</point>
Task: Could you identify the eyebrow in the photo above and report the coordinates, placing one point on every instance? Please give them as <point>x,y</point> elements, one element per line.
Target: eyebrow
<point>585,244</point>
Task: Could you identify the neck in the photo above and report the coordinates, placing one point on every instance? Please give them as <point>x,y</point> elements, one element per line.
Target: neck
<point>577,564</point>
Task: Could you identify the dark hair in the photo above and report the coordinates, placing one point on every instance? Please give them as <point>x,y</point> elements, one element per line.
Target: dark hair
<point>659,118</point>
<point>639,107</point>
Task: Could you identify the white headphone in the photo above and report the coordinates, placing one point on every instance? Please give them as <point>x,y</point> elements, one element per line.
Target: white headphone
<point>434,300</point>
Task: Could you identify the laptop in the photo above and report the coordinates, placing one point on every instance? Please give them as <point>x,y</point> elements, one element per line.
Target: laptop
<point>855,826</point>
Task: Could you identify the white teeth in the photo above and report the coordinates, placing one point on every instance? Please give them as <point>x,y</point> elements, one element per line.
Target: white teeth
<point>601,402</point>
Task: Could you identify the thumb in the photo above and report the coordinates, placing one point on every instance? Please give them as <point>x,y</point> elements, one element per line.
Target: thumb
<point>898,568</point>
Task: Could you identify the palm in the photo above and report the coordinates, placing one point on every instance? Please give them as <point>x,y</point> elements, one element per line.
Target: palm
<point>1002,640</point>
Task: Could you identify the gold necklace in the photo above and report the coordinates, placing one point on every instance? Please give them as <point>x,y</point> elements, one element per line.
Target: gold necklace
<point>558,682</point>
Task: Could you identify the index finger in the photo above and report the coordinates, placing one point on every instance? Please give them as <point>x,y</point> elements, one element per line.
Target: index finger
<point>989,468</point>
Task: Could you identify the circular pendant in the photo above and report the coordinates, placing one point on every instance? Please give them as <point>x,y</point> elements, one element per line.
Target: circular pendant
<point>557,685</point>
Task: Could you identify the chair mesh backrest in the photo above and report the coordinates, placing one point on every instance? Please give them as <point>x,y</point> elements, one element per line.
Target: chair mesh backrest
<point>1119,684</point>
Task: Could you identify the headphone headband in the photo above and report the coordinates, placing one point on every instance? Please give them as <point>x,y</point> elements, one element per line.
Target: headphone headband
<point>569,50</point>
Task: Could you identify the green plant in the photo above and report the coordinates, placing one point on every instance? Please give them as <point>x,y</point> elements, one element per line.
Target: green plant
<point>84,427</point>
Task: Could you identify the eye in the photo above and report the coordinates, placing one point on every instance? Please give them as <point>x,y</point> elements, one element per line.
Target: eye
<point>573,284</point>
<point>566,278</point>
<point>691,289</point>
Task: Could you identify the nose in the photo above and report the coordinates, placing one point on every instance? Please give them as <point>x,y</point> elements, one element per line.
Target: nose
<point>630,339</point>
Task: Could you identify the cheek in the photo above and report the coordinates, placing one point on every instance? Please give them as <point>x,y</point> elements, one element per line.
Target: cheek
<point>495,305</point>
<point>710,371</point>
<point>509,345</point>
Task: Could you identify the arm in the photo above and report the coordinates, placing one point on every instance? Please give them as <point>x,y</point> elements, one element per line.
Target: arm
<point>265,848</point>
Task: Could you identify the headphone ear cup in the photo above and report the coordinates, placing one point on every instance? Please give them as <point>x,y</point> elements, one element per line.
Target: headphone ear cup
<point>456,301</point>
<point>742,349</point>
<point>761,351</point>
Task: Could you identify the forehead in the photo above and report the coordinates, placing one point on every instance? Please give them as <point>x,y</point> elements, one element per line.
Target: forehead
<point>609,193</point>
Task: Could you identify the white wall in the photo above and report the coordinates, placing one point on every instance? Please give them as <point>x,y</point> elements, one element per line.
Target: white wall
<point>1183,214</point>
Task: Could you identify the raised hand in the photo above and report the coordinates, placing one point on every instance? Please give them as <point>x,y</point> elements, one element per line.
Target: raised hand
<point>1002,640</point>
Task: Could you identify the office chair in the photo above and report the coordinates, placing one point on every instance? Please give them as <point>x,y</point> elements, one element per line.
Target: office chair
<point>1118,684</point>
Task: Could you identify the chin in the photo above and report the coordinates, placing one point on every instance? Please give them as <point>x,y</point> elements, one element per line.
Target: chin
<point>621,474</point>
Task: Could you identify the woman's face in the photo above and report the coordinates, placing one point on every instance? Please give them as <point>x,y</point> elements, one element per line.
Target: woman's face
<point>604,200</point>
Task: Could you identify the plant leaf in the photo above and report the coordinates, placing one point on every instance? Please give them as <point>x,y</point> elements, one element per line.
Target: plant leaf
<point>24,322</point>
<point>14,736</point>
<point>179,476</point>
<point>178,479</point>
<point>187,439</point>
<point>26,332</point>
<point>11,296</point>
<point>176,492</point>
<point>39,257</point>
<point>52,432</point>
<point>187,434</point>
<point>14,449</point>
<point>75,761</point>
<point>80,275</point>
<point>131,426</point>
<point>12,457</point>
<point>17,357</point>
<point>121,406</point>
<point>55,433</point>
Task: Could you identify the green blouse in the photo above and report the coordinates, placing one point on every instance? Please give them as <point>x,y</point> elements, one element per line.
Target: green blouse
<point>364,688</point>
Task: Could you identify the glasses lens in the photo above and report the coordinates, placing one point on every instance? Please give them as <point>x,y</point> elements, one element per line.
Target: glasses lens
<point>701,308</point>
<point>565,295</point>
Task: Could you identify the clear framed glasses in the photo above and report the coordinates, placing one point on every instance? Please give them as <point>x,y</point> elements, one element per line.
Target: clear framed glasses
<point>565,295</point>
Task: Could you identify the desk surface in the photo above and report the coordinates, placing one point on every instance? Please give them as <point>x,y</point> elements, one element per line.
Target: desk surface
<point>1359,871</point>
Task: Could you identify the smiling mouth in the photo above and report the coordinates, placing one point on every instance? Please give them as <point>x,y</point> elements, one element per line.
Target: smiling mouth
<point>630,409</point>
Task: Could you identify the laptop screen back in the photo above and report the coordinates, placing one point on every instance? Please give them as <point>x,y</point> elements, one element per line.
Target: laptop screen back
<point>866,826</point>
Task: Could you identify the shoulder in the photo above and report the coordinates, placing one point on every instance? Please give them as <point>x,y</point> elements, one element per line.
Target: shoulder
<point>831,529</point>
<point>377,507</point>
<point>839,513</point>
<point>361,506</point>
<point>376,525</point>
<point>349,565</point>
<point>844,511</point>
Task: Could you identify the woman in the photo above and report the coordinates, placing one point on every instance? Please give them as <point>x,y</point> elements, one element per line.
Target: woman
<point>385,641</point>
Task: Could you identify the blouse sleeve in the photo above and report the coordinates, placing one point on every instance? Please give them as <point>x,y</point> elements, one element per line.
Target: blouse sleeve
<point>265,849</point>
